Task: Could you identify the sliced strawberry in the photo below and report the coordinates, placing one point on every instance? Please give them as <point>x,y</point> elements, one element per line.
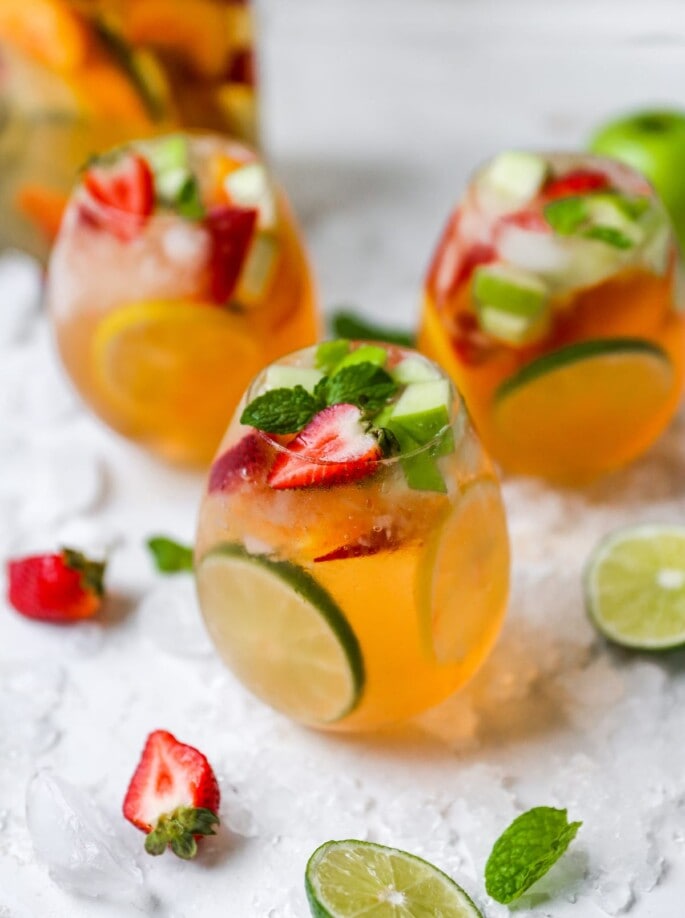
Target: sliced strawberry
<point>580,181</point>
<point>126,192</point>
<point>370,544</point>
<point>334,448</point>
<point>245,463</point>
<point>231,230</point>
<point>63,587</point>
<point>173,796</point>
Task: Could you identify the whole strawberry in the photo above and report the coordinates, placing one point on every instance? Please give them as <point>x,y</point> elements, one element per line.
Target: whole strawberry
<point>64,587</point>
<point>173,796</point>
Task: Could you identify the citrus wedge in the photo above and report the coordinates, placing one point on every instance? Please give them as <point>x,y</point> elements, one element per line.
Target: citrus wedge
<point>635,587</point>
<point>282,633</point>
<point>578,407</point>
<point>347,879</point>
<point>464,577</point>
<point>166,366</point>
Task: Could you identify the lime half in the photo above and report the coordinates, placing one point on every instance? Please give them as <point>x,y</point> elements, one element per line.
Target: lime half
<point>635,587</point>
<point>350,879</point>
<point>282,633</point>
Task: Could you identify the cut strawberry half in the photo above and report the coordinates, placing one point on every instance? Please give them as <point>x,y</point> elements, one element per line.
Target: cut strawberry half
<point>245,463</point>
<point>173,796</point>
<point>334,448</point>
<point>581,181</point>
<point>125,192</point>
<point>64,587</point>
<point>369,544</point>
<point>231,230</point>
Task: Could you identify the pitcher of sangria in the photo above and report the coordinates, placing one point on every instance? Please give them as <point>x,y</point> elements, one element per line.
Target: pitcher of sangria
<point>178,272</point>
<point>551,302</point>
<point>79,76</point>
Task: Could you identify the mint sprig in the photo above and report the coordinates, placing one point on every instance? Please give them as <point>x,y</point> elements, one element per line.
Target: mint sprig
<point>346,324</point>
<point>170,557</point>
<point>525,851</point>
<point>284,411</point>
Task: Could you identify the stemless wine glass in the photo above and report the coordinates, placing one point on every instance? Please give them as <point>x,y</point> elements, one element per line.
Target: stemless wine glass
<point>78,77</point>
<point>178,272</point>
<point>551,302</point>
<point>352,551</point>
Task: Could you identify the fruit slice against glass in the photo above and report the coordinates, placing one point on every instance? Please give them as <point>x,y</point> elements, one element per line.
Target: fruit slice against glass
<point>352,555</point>
<point>551,302</point>
<point>177,274</point>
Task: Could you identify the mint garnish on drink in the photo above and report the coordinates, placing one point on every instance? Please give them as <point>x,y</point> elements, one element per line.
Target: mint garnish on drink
<point>525,851</point>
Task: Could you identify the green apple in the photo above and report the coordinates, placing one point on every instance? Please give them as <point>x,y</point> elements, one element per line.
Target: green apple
<point>653,142</point>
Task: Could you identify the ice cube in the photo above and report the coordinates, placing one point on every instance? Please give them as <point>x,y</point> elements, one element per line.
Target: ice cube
<point>31,691</point>
<point>85,853</point>
<point>20,282</point>
<point>170,618</point>
<point>183,242</point>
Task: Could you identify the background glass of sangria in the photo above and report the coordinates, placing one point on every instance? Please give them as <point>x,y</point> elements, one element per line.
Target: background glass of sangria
<point>177,274</point>
<point>352,551</point>
<point>551,302</point>
<point>79,76</point>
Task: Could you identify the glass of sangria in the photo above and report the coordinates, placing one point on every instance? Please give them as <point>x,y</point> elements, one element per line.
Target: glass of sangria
<point>352,556</point>
<point>177,274</point>
<point>79,76</point>
<point>551,303</point>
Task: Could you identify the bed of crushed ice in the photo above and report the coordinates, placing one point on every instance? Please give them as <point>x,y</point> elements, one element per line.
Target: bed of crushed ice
<point>556,717</point>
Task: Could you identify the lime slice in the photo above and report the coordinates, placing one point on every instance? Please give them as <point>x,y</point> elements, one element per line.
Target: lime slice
<point>464,577</point>
<point>635,587</point>
<point>582,407</point>
<point>282,633</point>
<point>347,879</point>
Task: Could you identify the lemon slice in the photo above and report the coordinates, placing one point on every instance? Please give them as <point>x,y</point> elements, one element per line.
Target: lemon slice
<point>347,879</point>
<point>166,366</point>
<point>282,634</point>
<point>635,587</point>
<point>464,577</point>
<point>578,407</point>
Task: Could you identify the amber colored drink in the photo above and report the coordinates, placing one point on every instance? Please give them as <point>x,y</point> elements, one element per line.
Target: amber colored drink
<point>79,76</point>
<point>351,585</point>
<point>551,303</point>
<point>178,273</point>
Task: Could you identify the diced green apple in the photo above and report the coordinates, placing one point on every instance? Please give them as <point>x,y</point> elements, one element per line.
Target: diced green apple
<point>285,377</point>
<point>515,177</point>
<point>422,411</point>
<point>366,353</point>
<point>512,305</point>
<point>414,369</point>
<point>250,186</point>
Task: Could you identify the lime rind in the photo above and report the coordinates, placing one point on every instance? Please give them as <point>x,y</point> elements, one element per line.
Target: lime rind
<point>635,587</point>
<point>572,353</point>
<point>348,878</point>
<point>313,599</point>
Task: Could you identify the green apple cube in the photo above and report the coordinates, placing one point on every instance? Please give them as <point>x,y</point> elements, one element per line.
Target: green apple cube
<point>366,353</point>
<point>249,186</point>
<point>422,411</point>
<point>608,211</point>
<point>169,161</point>
<point>516,176</point>
<point>259,269</point>
<point>414,369</point>
<point>512,305</point>
<point>284,377</point>
<point>566,215</point>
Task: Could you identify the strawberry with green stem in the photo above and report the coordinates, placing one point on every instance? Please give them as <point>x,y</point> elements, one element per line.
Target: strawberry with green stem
<point>64,587</point>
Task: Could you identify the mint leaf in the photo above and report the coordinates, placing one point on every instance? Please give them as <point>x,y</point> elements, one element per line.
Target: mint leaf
<point>365,385</point>
<point>170,557</point>
<point>351,325</point>
<point>330,353</point>
<point>281,411</point>
<point>610,235</point>
<point>189,201</point>
<point>526,850</point>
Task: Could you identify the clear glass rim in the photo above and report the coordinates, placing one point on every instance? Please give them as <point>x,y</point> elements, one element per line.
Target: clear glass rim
<point>458,416</point>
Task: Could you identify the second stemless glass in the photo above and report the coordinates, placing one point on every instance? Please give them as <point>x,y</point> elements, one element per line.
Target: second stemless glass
<point>162,316</point>
<point>348,604</point>
<point>551,302</point>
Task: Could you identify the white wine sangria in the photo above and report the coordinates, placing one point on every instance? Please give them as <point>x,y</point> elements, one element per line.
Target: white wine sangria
<point>352,556</point>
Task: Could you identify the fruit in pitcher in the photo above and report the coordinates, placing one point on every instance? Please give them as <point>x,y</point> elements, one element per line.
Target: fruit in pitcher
<point>125,192</point>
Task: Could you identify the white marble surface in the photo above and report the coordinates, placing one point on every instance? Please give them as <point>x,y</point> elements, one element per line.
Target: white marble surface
<point>376,111</point>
